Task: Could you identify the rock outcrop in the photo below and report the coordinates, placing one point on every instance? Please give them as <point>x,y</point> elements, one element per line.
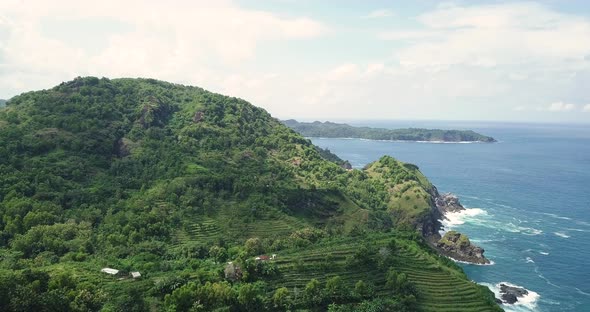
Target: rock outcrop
<point>510,294</point>
<point>457,246</point>
<point>448,202</point>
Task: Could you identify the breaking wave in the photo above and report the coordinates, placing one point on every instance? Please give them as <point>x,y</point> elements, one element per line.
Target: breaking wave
<point>525,303</point>
<point>561,234</point>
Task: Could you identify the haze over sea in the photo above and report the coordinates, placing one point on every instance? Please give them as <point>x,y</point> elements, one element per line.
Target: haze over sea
<point>528,201</point>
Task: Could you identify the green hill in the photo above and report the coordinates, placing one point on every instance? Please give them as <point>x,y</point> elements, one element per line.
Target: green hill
<point>339,130</point>
<point>173,182</point>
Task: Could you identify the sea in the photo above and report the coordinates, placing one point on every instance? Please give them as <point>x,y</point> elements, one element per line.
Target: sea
<point>527,198</point>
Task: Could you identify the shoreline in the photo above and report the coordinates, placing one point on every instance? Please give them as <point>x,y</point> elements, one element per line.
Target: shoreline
<point>403,141</point>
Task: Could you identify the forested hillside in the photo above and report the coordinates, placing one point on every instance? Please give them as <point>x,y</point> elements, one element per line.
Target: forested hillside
<point>175,182</point>
<point>340,130</point>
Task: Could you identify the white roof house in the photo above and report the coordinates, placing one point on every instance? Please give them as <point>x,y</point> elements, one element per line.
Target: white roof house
<point>110,271</point>
<point>135,274</point>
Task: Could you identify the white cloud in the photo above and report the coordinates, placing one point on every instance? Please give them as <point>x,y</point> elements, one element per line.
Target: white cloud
<point>586,108</point>
<point>454,62</point>
<point>519,108</point>
<point>407,35</point>
<point>177,42</point>
<point>379,14</point>
<point>560,107</point>
<point>494,35</point>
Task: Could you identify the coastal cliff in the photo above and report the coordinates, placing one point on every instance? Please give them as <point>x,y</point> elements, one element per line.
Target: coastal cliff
<point>453,244</point>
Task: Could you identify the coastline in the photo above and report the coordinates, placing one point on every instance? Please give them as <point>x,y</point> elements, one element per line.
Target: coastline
<point>401,141</point>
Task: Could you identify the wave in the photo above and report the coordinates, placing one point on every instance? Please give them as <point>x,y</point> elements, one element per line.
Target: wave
<point>561,234</point>
<point>529,260</point>
<point>577,230</point>
<point>582,292</point>
<point>478,216</point>
<point>511,227</point>
<point>529,231</point>
<point>555,216</point>
<point>471,263</point>
<point>544,253</point>
<point>528,301</point>
<point>453,219</point>
<point>541,276</point>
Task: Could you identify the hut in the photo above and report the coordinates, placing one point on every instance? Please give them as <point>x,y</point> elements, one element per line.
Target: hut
<point>110,271</point>
<point>233,272</point>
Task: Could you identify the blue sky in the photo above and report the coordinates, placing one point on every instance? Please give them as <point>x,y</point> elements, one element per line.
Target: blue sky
<point>305,59</point>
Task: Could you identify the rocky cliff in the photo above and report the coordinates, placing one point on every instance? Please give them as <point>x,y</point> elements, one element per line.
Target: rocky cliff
<point>457,246</point>
<point>453,244</point>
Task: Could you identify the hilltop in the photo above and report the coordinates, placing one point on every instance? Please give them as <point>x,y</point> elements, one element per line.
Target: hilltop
<point>339,130</point>
<point>175,182</point>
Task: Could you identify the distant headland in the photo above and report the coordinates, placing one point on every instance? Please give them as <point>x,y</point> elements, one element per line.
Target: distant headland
<point>340,130</point>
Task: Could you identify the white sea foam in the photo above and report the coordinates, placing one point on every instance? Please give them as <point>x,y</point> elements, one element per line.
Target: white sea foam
<point>529,260</point>
<point>406,141</point>
<point>582,292</point>
<point>541,276</point>
<point>529,231</point>
<point>528,301</point>
<point>561,234</point>
<point>577,230</point>
<point>544,253</point>
<point>453,219</point>
<point>511,227</point>
<point>555,216</point>
<point>471,263</point>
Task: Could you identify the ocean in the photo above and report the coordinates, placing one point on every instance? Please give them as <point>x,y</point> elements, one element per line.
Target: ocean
<point>528,200</point>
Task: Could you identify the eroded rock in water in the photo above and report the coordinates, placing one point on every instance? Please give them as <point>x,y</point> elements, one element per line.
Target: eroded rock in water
<point>510,294</point>
<point>457,246</point>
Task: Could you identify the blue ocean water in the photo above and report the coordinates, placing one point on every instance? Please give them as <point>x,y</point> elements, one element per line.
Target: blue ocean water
<point>528,198</point>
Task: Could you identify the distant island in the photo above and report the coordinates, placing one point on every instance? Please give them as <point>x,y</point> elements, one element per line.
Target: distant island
<point>340,130</point>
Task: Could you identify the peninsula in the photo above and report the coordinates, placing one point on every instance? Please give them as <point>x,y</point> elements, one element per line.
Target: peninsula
<point>340,130</point>
<point>143,195</point>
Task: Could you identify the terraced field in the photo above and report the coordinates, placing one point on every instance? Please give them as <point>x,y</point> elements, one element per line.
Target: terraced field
<point>201,230</point>
<point>273,227</point>
<point>205,229</point>
<point>440,289</point>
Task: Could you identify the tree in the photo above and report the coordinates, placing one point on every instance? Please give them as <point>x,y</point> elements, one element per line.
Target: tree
<point>182,299</point>
<point>281,299</point>
<point>253,246</point>
<point>362,290</point>
<point>313,294</point>
<point>336,289</point>
<point>218,253</point>
<point>250,296</point>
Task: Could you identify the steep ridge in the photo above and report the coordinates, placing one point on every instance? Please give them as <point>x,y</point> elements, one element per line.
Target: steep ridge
<point>174,182</point>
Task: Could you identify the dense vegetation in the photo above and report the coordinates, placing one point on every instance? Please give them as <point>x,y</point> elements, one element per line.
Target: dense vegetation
<point>175,182</point>
<point>337,130</point>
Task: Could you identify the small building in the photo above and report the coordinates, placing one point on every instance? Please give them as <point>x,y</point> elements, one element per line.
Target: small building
<point>262,258</point>
<point>274,256</point>
<point>135,274</point>
<point>233,272</point>
<point>110,271</point>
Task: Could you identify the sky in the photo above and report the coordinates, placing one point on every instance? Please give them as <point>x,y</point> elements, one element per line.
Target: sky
<point>311,59</point>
